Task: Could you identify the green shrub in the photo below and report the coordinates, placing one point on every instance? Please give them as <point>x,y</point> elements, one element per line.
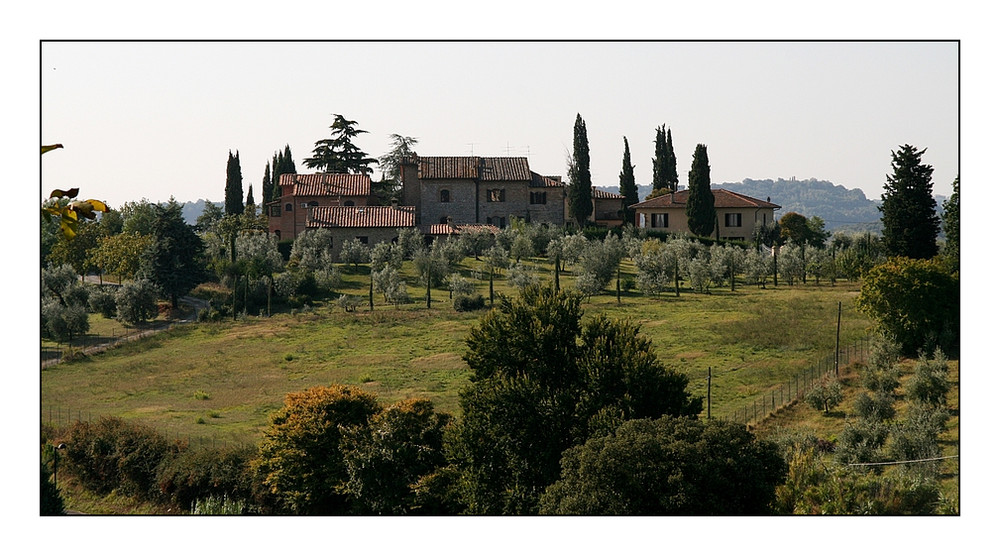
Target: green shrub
<point>114,454</point>
<point>197,475</point>
<point>102,302</point>
<point>469,303</point>
<point>929,383</point>
<point>826,395</point>
<point>874,408</point>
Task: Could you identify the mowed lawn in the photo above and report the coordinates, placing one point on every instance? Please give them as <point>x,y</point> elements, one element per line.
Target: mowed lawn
<point>219,382</point>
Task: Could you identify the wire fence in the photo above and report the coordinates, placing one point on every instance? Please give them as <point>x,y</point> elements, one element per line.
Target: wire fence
<point>796,388</point>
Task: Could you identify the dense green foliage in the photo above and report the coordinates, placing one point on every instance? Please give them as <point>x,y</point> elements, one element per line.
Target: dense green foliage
<point>579,191</point>
<point>175,257</point>
<point>700,208</point>
<point>910,224</point>
<point>301,461</point>
<point>915,302</point>
<point>668,466</point>
<point>951,227</point>
<point>543,381</point>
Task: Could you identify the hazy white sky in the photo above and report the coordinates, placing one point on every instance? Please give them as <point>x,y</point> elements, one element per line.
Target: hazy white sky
<point>155,119</point>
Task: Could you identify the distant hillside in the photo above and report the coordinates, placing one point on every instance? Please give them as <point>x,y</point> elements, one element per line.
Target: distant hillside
<point>193,209</point>
<point>839,207</point>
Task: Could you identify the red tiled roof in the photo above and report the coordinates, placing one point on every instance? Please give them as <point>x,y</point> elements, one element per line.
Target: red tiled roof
<point>538,180</point>
<point>316,185</point>
<point>473,167</point>
<point>445,229</point>
<point>602,194</point>
<point>361,217</point>
<point>723,199</point>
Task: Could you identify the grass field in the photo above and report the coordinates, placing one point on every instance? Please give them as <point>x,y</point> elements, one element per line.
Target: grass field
<point>218,382</point>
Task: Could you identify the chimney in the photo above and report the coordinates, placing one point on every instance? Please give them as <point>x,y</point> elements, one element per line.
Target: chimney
<point>395,203</point>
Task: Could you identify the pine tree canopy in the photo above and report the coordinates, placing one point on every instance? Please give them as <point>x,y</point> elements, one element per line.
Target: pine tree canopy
<point>339,154</point>
<point>910,224</point>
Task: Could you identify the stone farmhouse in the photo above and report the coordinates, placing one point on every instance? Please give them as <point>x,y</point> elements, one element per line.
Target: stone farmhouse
<point>736,214</point>
<point>441,195</point>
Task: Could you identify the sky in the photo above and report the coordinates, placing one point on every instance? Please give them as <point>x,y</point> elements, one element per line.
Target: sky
<point>151,120</point>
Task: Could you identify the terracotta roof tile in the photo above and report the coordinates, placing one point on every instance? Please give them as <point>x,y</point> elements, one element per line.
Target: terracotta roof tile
<point>602,194</point>
<point>445,229</point>
<point>473,167</point>
<point>361,217</point>
<point>316,185</point>
<point>723,199</point>
<point>538,180</point>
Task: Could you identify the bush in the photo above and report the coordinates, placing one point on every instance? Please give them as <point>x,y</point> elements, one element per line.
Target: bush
<point>349,303</point>
<point>929,383</point>
<point>136,302</point>
<point>877,408</point>
<point>464,303</point>
<point>102,302</point>
<point>881,380</point>
<point>915,302</point>
<point>194,475</point>
<point>113,454</point>
<point>63,323</point>
<point>826,395</point>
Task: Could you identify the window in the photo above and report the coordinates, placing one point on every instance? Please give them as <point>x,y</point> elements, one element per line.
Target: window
<point>362,239</point>
<point>658,220</point>
<point>734,219</point>
<point>288,207</point>
<point>537,198</point>
<point>348,203</point>
<point>314,203</point>
<point>494,195</point>
<point>444,220</point>
<point>275,210</point>
<point>445,196</point>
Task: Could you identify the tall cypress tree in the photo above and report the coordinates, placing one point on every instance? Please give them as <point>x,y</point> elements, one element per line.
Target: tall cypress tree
<point>910,223</point>
<point>627,187</point>
<point>671,165</point>
<point>267,188</point>
<point>700,208</point>
<point>580,204</point>
<point>234,185</point>
<point>250,201</point>
<point>660,162</point>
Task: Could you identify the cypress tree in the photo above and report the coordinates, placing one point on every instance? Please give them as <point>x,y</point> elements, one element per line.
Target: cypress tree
<point>671,165</point>
<point>660,162</point>
<point>250,202</point>
<point>267,188</point>
<point>910,224</point>
<point>700,209</point>
<point>627,187</point>
<point>234,185</point>
<point>579,193</point>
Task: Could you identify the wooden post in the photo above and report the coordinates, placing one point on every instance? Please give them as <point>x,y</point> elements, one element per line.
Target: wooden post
<point>710,392</point>
<point>836,367</point>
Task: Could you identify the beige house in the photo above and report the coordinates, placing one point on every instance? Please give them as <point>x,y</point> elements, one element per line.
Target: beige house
<point>737,214</point>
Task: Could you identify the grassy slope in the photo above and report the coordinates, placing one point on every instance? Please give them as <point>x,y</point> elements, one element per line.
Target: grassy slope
<point>220,381</point>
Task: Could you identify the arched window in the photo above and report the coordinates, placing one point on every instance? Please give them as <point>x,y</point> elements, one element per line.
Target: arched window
<point>444,220</point>
<point>288,207</point>
<point>277,235</point>
<point>445,196</point>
